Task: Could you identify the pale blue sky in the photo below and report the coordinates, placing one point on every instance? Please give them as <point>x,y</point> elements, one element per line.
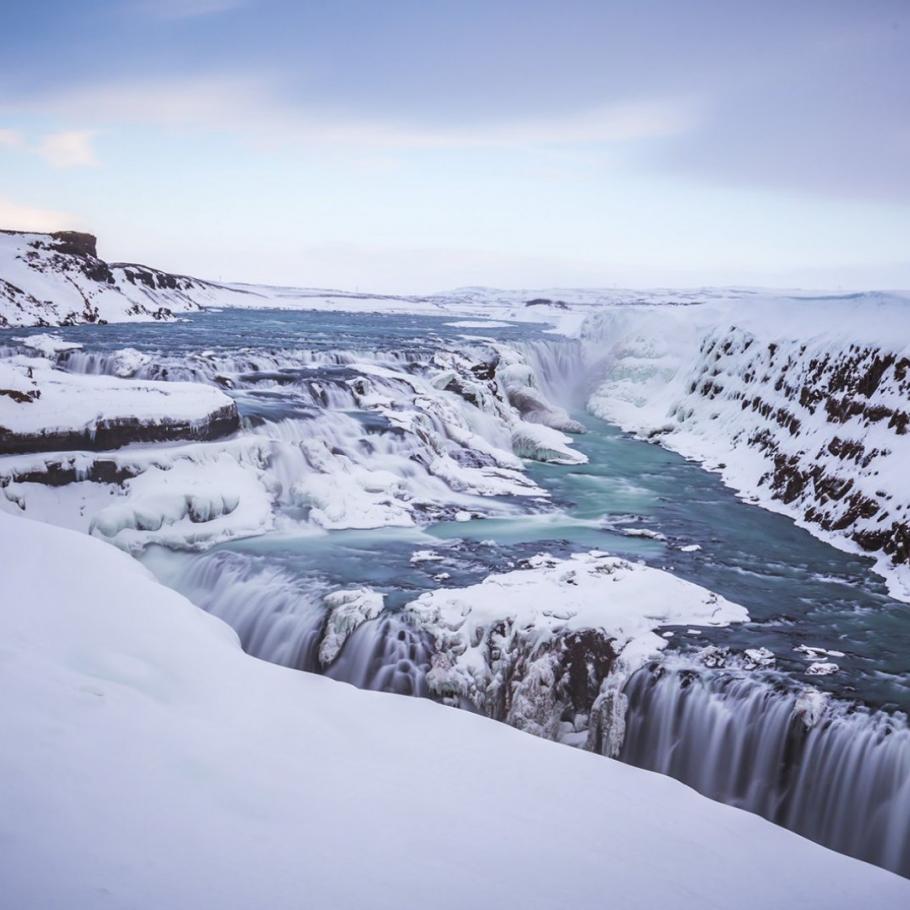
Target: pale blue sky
<point>421,145</point>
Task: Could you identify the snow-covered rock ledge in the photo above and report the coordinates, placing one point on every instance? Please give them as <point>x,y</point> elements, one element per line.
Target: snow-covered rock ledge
<point>150,763</point>
<point>47,410</point>
<point>547,647</point>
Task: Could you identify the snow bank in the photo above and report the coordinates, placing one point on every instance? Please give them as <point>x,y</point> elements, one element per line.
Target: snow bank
<point>149,763</point>
<point>47,344</point>
<point>540,443</point>
<point>186,504</point>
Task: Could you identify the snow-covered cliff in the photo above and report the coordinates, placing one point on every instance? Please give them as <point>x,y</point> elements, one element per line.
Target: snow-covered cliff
<point>803,404</point>
<point>58,279</point>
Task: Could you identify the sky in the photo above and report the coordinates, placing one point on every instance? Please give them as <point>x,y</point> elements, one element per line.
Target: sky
<point>418,146</point>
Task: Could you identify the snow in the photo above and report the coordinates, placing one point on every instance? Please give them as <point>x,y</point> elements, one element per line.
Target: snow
<point>43,284</point>
<point>758,657</point>
<point>72,402</point>
<point>348,609</point>
<point>542,443</point>
<point>648,533</point>
<point>813,652</point>
<point>186,505</point>
<point>425,556</point>
<point>47,344</point>
<point>822,668</point>
<point>149,763</point>
<point>532,606</point>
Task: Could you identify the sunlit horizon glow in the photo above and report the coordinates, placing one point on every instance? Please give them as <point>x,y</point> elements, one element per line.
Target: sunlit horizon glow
<point>415,147</point>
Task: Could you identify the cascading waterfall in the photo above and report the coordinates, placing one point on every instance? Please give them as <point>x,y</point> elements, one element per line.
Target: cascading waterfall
<point>835,773</point>
<point>208,366</point>
<point>282,619</point>
<point>275,617</point>
<point>385,655</point>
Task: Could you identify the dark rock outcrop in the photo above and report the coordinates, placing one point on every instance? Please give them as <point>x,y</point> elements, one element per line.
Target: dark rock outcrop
<point>75,243</point>
<point>120,431</point>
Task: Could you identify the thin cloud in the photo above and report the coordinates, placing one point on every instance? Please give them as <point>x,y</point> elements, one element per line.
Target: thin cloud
<point>11,139</point>
<point>15,216</point>
<point>70,148</point>
<point>255,108</point>
<point>186,9</point>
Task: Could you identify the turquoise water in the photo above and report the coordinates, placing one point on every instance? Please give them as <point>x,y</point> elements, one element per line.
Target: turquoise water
<point>798,590</point>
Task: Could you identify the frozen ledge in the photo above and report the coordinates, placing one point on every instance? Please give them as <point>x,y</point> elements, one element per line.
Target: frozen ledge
<point>47,410</point>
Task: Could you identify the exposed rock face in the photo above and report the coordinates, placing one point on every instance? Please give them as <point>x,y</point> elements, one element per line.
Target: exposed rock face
<point>76,243</point>
<point>829,424</point>
<point>47,410</point>
<point>120,431</point>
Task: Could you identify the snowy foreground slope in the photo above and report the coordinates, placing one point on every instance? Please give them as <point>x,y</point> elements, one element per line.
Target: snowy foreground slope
<point>156,765</point>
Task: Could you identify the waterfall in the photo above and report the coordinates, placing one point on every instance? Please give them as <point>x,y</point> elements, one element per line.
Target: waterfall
<point>282,619</point>
<point>834,772</point>
<point>275,617</point>
<point>386,655</point>
<point>241,364</point>
<point>560,369</point>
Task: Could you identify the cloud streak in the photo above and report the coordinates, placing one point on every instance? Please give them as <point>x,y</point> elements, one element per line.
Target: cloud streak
<point>11,139</point>
<point>255,108</point>
<point>16,216</point>
<point>186,9</point>
<point>70,148</point>
<point>63,149</point>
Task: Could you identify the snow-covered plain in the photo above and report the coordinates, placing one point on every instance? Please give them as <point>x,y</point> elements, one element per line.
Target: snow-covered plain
<point>156,765</point>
